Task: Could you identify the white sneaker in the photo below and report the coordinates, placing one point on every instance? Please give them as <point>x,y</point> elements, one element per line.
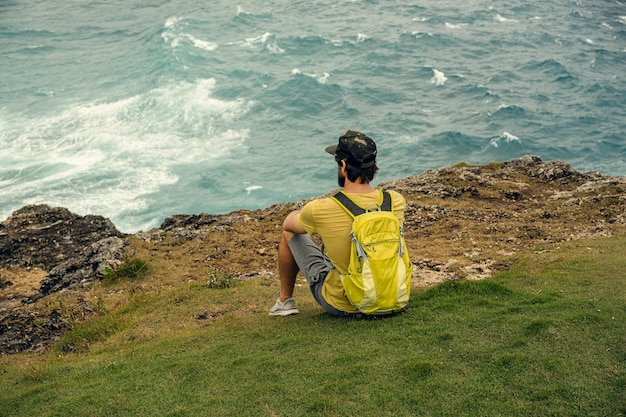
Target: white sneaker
<point>284,308</point>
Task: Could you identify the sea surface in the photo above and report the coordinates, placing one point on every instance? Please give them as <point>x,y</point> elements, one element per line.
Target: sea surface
<point>138,110</point>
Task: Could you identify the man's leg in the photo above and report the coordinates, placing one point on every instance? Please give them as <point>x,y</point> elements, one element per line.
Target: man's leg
<point>310,260</point>
<point>287,271</point>
<point>287,267</point>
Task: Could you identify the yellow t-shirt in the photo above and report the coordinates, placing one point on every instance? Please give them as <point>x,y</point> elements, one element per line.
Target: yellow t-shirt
<point>327,219</point>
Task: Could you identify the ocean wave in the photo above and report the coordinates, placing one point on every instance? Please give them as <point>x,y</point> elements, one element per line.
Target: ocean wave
<point>361,37</point>
<point>321,78</point>
<point>505,140</point>
<point>501,19</point>
<point>305,96</point>
<point>36,49</point>
<point>427,151</point>
<point>477,92</point>
<point>266,41</point>
<point>27,33</point>
<point>605,60</point>
<point>551,68</point>
<point>251,188</point>
<point>509,112</point>
<point>310,44</point>
<point>439,78</point>
<point>608,99</point>
<point>455,25</point>
<point>258,40</point>
<point>106,157</point>
<point>432,39</point>
<point>248,18</point>
<point>504,147</point>
<point>464,143</point>
<point>175,36</point>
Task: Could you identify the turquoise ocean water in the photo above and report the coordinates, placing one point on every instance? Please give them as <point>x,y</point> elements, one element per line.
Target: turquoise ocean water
<point>137,110</point>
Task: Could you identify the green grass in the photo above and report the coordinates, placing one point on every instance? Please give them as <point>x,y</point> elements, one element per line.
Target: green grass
<point>130,269</point>
<point>547,338</point>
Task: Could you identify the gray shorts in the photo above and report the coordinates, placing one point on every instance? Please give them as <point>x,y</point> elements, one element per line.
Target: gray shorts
<point>315,268</point>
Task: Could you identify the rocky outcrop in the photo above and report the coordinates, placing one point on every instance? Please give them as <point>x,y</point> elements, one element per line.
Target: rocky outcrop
<point>22,330</point>
<point>464,220</point>
<point>71,248</point>
<point>43,236</point>
<point>86,266</point>
<point>534,167</point>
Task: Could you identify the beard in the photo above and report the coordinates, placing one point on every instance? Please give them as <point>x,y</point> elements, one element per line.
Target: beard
<point>341,180</point>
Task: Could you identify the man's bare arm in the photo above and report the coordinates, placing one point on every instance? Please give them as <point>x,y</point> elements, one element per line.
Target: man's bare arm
<point>291,224</point>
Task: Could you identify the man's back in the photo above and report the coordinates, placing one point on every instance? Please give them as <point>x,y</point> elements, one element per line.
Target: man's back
<point>330,221</point>
<point>355,158</point>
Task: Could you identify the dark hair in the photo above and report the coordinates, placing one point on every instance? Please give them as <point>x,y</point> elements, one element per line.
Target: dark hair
<point>366,175</point>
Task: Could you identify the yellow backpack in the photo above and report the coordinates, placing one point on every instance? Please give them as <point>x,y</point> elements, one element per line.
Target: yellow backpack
<point>379,275</point>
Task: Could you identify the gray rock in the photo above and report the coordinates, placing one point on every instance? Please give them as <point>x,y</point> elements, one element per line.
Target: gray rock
<point>533,166</point>
<point>87,266</point>
<point>43,236</point>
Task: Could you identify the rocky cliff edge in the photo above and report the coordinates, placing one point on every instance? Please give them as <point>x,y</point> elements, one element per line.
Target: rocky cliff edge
<point>461,222</point>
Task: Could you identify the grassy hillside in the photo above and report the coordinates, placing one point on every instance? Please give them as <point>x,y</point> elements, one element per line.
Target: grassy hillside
<point>545,338</point>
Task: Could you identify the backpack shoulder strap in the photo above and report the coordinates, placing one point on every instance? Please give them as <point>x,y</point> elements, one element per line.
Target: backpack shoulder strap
<point>354,210</point>
<point>347,204</point>
<point>386,204</point>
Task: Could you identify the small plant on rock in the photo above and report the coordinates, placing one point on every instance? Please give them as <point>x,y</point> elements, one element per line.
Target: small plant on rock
<point>130,269</point>
<point>221,279</point>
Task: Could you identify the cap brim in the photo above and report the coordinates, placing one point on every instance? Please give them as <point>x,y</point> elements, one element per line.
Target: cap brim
<point>332,149</point>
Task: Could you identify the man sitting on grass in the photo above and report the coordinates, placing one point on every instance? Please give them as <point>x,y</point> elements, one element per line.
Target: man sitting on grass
<point>355,155</point>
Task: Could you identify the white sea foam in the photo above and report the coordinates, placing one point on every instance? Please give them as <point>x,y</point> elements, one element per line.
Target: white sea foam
<point>274,48</point>
<point>266,40</point>
<point>505,138</point>
<point>439,78</point>
<point>258,39</point>
<point>168,35</point>
<point>174,35</point>
<point>361,37</point>
<point>501,19</point>
<point>105,158</point>
<point>321,78</point>
<point>253,188</point>
<point>621,19</point>
<point>418,34</point>
<point>199,43</point>
<point>455,26</point>
<point>172,21</point>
